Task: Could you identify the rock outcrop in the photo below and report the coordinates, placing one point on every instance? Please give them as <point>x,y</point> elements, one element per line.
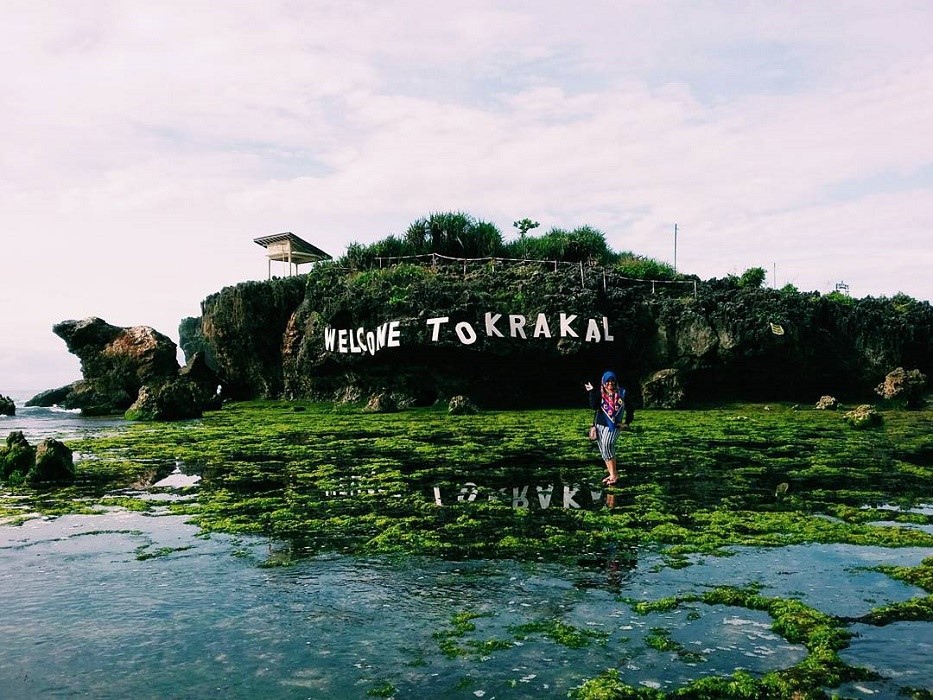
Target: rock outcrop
<point>119,363</point>
<point>54,463</point>
<point>7,407</point>
<point>663,389</point>
<point>17,457</point>
<point>176,399</point>
<point>724,342</point>
<point>461,406</point>
<point>863,416</point>
<point>49,462</point>
<point>115,363</point>
<point>903,385</point>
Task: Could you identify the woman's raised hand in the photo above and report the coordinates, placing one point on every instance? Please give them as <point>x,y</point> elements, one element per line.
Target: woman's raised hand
<point>588,386</point>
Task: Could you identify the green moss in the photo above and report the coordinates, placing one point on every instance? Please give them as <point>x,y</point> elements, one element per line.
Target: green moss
<point>324,479</point>
<point>143,553</point>
<point>560,632</point>
<point>920,575</point>
<point>908,610</point>
<point>609,686</point>
<point>660,639</point>
<point>382,690</point>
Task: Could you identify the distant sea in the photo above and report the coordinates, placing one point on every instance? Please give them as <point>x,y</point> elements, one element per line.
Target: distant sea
<point>38,423</point>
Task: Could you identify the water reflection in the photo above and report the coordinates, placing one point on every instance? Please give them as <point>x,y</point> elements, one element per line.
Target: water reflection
<point>528,496</point>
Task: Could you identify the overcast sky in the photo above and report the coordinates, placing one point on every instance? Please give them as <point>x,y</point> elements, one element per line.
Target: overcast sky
<point>146,144</point>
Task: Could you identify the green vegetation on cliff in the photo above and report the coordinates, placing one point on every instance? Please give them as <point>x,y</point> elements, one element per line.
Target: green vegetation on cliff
<point>717,339</point>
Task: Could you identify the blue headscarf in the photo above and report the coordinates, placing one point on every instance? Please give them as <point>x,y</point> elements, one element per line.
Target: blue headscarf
<point>609,374</point>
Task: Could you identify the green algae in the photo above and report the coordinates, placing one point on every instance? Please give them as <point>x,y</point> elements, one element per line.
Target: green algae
<point>330,479</point>
<point>823,636</point>
<point>559,632</point>
<point>144,553</point>
<point>525,485</point>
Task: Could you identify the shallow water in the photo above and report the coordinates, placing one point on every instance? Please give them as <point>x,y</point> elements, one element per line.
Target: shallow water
<point>129,605</point>
<point>124,604</point>
<point>38,423</point>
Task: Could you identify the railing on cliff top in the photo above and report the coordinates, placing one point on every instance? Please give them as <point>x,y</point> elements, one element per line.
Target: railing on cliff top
<point>607,277</point>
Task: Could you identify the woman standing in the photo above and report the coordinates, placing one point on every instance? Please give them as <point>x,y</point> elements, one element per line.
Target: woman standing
<point>612,414</point>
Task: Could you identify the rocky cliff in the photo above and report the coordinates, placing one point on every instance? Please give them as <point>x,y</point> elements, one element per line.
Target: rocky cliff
<point>529,334</point>
<point>130,369</point>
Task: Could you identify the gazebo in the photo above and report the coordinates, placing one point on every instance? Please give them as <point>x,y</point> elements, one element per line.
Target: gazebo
<point>289,248</point>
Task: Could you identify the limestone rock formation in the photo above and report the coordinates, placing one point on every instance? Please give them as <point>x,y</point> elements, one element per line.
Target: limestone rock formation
<point>51,397</point>
<point>381,403</point>
<point>54,463</point>
<point>16,457</point>
<point>285,338</point>
<point>903,385</point>
<point>50,462</point>
<point>663,389</point>
<point>115,363</point>
<point>461,406</point>
<point>863,416</point>
<point>175,399</point>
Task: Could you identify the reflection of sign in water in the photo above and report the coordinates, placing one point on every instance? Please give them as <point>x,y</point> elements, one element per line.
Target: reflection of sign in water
<point>524,496</point>
<point>532,497</point>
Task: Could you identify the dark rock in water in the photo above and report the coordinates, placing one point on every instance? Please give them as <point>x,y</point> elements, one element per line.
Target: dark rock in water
<point>381,403</point>
<point>54,463</point>
<point>199,372</point>
<point>17,457</point>
<point>7,407</point>
<point>461,406</point>
<point>177,399</point>
<point>903,385</point>
<point>663,389</point>
<point>51,397</point>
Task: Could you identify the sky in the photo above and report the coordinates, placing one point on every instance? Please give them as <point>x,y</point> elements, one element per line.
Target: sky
<point>144,145</point>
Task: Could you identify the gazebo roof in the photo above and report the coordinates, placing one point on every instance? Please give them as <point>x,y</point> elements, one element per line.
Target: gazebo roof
<point>287,247</point>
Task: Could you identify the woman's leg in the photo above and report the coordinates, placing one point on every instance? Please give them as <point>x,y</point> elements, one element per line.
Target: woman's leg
<point>607,441</point>
<point>613,473</point>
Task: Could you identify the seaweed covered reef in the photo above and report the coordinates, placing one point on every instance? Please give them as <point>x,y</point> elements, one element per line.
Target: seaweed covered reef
<point>697,486</point>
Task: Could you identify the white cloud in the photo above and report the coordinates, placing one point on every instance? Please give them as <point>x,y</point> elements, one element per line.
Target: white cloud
<point>145,145</point>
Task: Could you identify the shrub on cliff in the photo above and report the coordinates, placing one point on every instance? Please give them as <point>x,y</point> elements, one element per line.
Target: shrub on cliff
<point>582,244</point>
<point>460,235</point>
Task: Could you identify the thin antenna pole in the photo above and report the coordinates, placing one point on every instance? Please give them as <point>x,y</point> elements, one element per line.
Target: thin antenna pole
<point>675,247</point>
